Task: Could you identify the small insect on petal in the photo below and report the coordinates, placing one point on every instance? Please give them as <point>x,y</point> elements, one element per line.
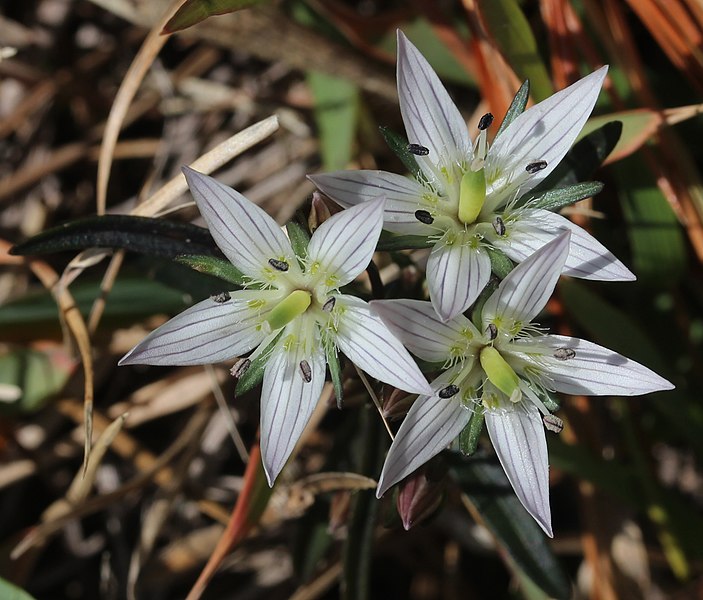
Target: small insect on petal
<point>221,297</point>
<point>536,166</point>
<point>424,217</point>
<point>328,306</point>
<point>306,371</point>
<point>564,353</point>
<point>492,331</point>
<point>485,122</point>
<point>279,265</point>
<point>240,367</point>
<point>499,226</point>
<point>418,150</point>
<point>449,391</point>
<point>553,423</point>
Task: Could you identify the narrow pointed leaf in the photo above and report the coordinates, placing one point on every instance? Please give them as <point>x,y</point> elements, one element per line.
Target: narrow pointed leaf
<point>195,11</point>
<point>517,106</point>
<point>399,145</point>
<point>155,237</point>
<point>557,198</point>
<point>254,375</point>
<point>486,485</point>
<point>211,265</point>
<point>469,436</point>
<point>501,265</point>
<point>299,238</point>
<point>392,243</point>
<point>335,373</point>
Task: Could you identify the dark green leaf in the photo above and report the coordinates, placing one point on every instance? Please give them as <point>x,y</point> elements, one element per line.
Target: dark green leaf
<point>254,375</point>
<point>195,11</point>
<point>217,267</point>
<point>477,309</point>
<point>468,438</point>
<point>391,242</point>
<point>399,145</point>
<point>335,373</point>
<point>517,106</point>
<point>584,158</point>
<point>156,237</point>
<point>299,238</point>
<point>558,198</point>
<point>486,485</point>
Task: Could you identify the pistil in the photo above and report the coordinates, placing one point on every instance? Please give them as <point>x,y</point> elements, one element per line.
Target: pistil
<point>500,373</point>
<point>294,305</point>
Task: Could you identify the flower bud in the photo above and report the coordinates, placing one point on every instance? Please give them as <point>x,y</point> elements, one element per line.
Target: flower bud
<point>395,403</point>
<point>421,493</point>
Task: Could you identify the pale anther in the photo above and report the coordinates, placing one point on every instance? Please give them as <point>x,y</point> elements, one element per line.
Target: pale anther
<point>424,217</point>
<point>564,353</point>
<point>485,121</point>
<point>449,391</point>
<point>492,331</point>
<point>279,265</point>
<point>536,166</point>
<point>221,297</point>
<point>553,423</point>
<point>499,226</point>
<point>328,306</point>
<point>240,367</point>
<point>418,149</point>
<point>306,371</point>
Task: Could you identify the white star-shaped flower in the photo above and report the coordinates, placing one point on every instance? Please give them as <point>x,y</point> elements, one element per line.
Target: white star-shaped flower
<point>297,303</point>
<point>505,368</point>
<point>464,198</point>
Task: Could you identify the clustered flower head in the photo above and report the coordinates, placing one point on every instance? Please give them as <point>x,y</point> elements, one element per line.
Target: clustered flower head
<point>468,198</point>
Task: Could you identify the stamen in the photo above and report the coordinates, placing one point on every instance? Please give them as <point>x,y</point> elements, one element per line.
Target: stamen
<point>553,423</point>
<point>449,391</point>
<point>240,367</point>
<point>564,353</point>
<point>536,166</point>
<point>418,150</point>
<point>306,371</point>
<point>485,122</point>
<point>221,297</point>
<point>492,331</point>
<point>279,265</point>
<point>499,226</point>
<point>424,216</point>
<point>328,306</point>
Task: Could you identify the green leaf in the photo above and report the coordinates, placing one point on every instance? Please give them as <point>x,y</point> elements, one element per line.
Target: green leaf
<point>8,591</point>
<point>335,372</point>
<point>299,238</point>
<point>517,106</point>
<point>336,114</point>
<point>486,485</point>
<point>399,145</point>
<point>501,265</point>
<point>195,11</point>
<point>510,29</point>
<point>37,375</point>
<point>558,198</point>
<point>156,237</point>
<point>216,267</point>
<point>391,242</point>
<point>584,158</point>
<point>254,375</point>
<point>656,239</point>
<point>468,438</point>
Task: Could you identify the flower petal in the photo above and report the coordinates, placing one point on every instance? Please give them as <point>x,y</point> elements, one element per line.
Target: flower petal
<point>207,332</point>
<point>403,196</point>
<point>545,132</point>
<point>588,258</point>
<point>595,370</point>
<point>287,399</point>
<point>244,232</point>
<point>456,275</point>
<point>368,343</point>
<point>431,118</point>
<point>526,289</point>
<point>430,425</point>
<point>416,324</point>
<point>517,434</point>
<point>343,245</point>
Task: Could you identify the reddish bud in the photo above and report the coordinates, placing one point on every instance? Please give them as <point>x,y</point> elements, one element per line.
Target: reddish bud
<point>421,493</point>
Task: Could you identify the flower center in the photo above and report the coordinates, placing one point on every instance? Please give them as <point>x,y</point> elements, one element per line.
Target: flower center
<point>292,306</point>
<point>472,190</point>
<point>500,373</point>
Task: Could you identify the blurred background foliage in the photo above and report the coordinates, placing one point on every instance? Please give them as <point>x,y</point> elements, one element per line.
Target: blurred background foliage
<point>145,516</point>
